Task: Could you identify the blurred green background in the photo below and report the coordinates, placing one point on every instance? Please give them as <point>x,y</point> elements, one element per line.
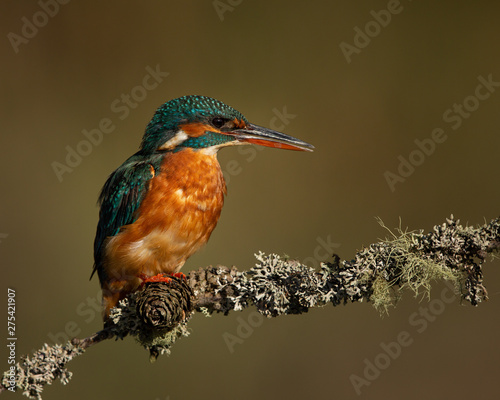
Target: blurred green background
<point>362,112</point>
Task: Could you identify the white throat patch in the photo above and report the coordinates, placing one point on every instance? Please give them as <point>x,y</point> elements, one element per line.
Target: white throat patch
<point>179,137</point>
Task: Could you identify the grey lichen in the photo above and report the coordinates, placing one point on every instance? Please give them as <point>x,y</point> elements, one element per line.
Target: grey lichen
<point>42,368</point>
<point>278,286</point>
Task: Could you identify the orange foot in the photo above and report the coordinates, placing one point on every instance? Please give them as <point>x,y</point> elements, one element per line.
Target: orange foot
<point>156,278</point>
<point>180,275</point>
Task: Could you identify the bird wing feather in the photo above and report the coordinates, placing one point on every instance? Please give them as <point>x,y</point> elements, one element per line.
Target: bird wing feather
<point>120,198</point>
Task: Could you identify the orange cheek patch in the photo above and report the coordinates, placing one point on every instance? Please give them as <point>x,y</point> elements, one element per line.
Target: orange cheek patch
<point>239,124</point>
<point>196,129</point>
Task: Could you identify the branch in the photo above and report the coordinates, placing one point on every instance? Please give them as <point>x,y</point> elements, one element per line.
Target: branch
<point>378,273</point>
<point>157,316</point>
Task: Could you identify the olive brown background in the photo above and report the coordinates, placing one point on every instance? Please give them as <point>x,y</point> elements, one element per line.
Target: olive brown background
<point>289,65</point>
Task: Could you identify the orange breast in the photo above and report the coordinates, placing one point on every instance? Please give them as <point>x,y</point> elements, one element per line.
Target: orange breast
<point>176,218</point>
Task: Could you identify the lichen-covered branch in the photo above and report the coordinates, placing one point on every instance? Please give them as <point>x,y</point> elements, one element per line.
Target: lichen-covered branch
<point>42,368</point>
<point>378,273</point>
<point>158,315</point>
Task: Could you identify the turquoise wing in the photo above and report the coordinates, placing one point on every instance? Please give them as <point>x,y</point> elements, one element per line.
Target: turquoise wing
<point>120,198</point>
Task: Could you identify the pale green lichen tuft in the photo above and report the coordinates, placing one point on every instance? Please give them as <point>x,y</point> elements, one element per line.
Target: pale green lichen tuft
<point>410,270</point>
<point>384,294</point>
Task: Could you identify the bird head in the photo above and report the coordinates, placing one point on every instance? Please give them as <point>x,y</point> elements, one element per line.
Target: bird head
<point>201,122</point>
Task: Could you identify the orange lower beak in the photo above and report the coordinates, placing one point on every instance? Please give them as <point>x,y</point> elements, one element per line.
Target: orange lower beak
<point>267,137</point>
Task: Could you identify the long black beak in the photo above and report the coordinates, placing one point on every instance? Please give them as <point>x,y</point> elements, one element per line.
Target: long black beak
<point>267,137</point>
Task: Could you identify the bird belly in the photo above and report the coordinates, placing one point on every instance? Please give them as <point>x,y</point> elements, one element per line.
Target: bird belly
<point>175,219</point>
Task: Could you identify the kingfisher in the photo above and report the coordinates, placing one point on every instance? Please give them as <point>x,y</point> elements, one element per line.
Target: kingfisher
<point>161,205</point>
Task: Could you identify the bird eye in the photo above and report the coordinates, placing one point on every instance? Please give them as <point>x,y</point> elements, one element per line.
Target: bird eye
<point>218,122</point>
